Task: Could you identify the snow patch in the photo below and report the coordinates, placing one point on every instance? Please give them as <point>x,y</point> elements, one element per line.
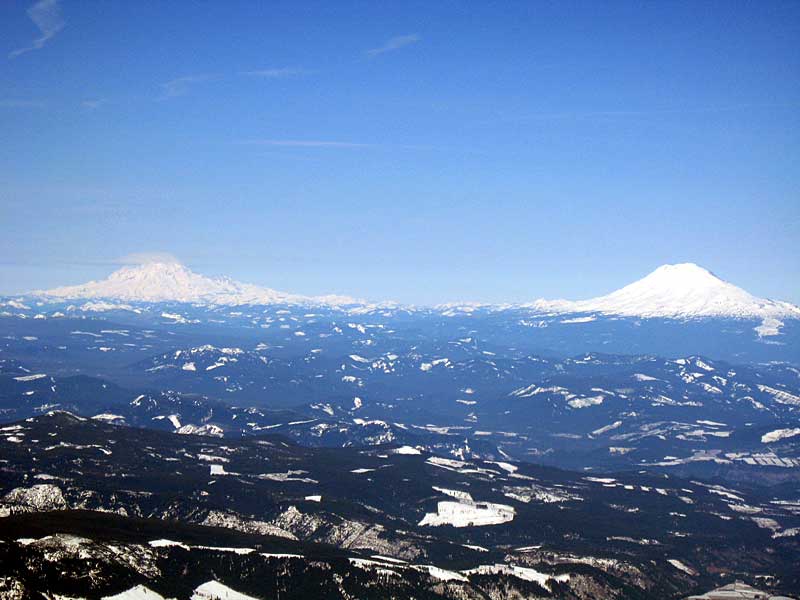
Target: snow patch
<point>214,590</point>
<point>140,592</point>
<point>464,514</point>
<point>779,434</point>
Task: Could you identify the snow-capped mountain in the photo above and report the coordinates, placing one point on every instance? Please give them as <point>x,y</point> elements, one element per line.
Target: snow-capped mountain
<point>682,291</point>
<point>678,291</point>
<point>173,282</point>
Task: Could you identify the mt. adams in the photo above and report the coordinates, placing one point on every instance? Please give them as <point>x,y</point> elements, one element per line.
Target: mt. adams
<point>682,291</point>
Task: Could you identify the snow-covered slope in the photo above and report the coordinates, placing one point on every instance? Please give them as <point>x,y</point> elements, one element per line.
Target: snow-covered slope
<point>681,291</point>
<point>159,282</point>
<point>677,291</point>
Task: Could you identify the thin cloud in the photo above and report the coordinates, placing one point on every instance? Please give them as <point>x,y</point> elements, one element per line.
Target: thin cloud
<point>134,259</point>
<point>306,143</point>
<point>278,73</point>
<point>655,112</point>
<point>146,258</point>
<point>395,43</point>
<point>46,15</point>
<point>296,143</point>
<point>180,85</point>
<point>93,104</point>
<point>12,103</point>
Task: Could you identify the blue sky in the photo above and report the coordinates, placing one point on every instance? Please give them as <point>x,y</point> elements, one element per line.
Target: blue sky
<point>421,152</point>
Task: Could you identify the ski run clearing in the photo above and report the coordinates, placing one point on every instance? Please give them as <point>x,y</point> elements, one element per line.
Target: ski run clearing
<point>468,514</point>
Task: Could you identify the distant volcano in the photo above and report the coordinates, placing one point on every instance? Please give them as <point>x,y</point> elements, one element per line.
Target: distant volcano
<point>173,282</point>
<point>678,291</point>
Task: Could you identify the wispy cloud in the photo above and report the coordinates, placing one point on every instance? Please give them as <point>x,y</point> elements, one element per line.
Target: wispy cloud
<point>12,103</point>
<point>93,103</point>
<point>276,73</point>
<point>46,15</point>
<point>395,43</point>
<point>146,258</point>
<point>317,143</point>
<point>133,259</point>
<point>636,113</point>
<point>306,143</point>
<point>180,85</point>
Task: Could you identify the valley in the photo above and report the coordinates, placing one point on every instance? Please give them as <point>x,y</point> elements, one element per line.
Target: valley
<point>459,451</point>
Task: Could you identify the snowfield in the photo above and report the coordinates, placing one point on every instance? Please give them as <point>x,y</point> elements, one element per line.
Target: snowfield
<point>406,450</point>
<point>139,592</point>
<point>30,377</point>
<point>525,573</point>
<point>214,590</point>
<point>779,434</point>
<point>463,514</point>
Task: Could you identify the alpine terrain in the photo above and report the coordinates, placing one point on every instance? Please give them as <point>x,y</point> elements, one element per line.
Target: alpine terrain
<point>168,434</point>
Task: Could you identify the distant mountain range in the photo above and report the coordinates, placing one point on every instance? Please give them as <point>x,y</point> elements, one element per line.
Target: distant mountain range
<point>682,291</point>
<point>691,416</point>
<point>224,434</point>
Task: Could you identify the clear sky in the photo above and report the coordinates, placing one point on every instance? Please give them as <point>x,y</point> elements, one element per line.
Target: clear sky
<point>420,152</point>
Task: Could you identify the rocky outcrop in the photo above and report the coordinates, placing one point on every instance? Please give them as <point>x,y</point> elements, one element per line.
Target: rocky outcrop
<point>40,497</point>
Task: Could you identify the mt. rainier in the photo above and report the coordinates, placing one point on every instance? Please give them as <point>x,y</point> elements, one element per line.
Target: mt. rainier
<point>682,291</point>
<point>163,282</point>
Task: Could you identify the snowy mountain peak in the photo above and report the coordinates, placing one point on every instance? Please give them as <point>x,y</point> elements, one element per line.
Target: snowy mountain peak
<point>683,271</point>
<point>173,282</point>
<point>681,283</point>
<point>679,291</point>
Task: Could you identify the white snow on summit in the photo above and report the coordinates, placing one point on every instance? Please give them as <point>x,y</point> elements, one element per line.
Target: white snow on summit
<point>214,590</point>
<point>682,291</point>
<point>140,592</point>
<point>677,291</point>
<point>161,281</point>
